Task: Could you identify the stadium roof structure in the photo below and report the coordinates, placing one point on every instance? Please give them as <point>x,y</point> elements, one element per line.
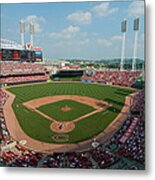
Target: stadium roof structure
<point>8,44</point>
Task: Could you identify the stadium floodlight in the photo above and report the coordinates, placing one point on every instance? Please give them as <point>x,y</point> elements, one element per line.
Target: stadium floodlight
<point>136,29</point>
<point>123,30</point>
<point>31,34</point>
<point>124,26</point>
<point>22,31</point>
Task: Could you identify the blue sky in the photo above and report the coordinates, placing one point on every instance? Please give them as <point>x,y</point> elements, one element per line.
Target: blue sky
<point>87,30</point>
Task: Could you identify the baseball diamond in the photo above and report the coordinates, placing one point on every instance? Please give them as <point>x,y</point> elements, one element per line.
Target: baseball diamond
<point>92,110</point>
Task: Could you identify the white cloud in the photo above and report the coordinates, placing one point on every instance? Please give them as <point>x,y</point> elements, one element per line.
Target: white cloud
<point>116,38</point>
<point>104,42</point>
<point>36,20</point>
<point>80,17</point>
<point>84,41</point>
<point>81,41</point>
<point>37,28</point>
<point>67,33</point>
<point>71,29</point>
<point>84,34</point>
<point>55,35</point>
<point>108,42</point>
<point>104,10</point>
<point>136,8</point>
<point>76,43</point>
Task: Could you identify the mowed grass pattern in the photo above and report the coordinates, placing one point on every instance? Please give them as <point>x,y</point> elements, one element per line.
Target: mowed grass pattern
<point>38,127</point>
<point>54,110</point>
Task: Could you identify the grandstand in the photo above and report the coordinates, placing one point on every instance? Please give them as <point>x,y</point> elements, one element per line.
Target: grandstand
<point>113,77</point>
<point>17,73</point>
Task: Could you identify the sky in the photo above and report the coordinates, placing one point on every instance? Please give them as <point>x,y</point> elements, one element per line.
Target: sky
<point>81,30</point>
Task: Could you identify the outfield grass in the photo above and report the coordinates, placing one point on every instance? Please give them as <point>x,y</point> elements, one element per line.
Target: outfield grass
<point>37,127</point>
<point>54,110</point>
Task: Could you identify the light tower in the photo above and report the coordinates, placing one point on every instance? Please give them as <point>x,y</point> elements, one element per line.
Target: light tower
<point>136,29</point>
<point>22,31</point>
<point>31,34</point>
<point>123,30</point>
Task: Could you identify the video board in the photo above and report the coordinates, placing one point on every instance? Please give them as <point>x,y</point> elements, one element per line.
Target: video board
<point>7,54</point>
<point>26,55</point>
<point>38,56</point>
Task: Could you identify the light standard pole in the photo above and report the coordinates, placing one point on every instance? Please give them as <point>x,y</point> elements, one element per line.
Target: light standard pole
<point>136,29</point>
<point>123,30</point>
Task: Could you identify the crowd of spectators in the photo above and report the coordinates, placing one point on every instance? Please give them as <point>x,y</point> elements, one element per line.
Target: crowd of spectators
<point>134,147</point>
<point>20,158</point>
<point>130,139</point>
<point>78,160</point>
<point>22,72</point>
<point>20,79</point>
<point>9,68</point>
<point>4,134</point>
<point>68,160</point>
<point>103,157</point>
<point>113,77</point>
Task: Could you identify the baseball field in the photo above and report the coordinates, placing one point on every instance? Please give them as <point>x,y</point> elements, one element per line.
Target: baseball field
<point>77,111</point>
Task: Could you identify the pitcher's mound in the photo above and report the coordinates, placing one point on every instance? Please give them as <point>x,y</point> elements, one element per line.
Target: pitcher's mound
<point>64,127</point>
<point>65,109</point>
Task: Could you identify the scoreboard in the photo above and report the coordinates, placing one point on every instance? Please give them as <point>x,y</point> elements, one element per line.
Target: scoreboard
<point>38,56</point>
<point>21,55</point>
<point>26,55</point>
<point>7,54</point>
